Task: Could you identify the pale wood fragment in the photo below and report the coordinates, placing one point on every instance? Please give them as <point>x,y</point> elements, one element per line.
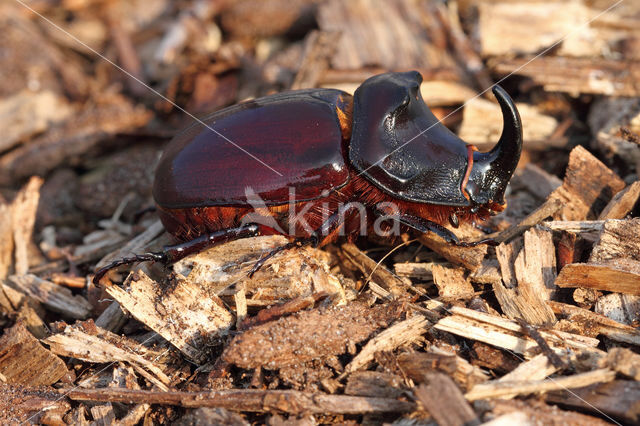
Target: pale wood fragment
<point>500,389</point>
<point>622,276</point>
<point>452,283</point>
<point>188,329</point>
<point>623,361</point>
<point>375,271</point>
<point>103,414</point>
<point>74,342</point>
<point>587,187</point>
<point>622,203</point>
<point>622,308</point>
<point>56,298</point>
<point>606,326</point>
<point>422,271</point>
<point>388,340</point>
<point>23,217</point>
<point>469,257</point>
<point>524,293</point>
<point>507,334</point>
<point>547,209</point>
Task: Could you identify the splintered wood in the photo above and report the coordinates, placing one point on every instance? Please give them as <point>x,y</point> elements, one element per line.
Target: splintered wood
<point>190,330</point>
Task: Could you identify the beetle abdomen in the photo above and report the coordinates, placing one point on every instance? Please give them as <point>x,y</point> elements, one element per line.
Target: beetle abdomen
<point>299,136</point>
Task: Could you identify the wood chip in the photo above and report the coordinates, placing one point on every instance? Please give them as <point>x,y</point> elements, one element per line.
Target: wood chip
<point>416,364</point>
<point>500,389</point>
<point>76,343</point>
<point>620,276</point>
<point>618,240</point>
<point>440,396</point>
<point>23,217</point>
<point>378,273</point>
<point>622,203</point>
<point>617,399</point>
<point>309,335</point>
<point>524,294</point>
<point>188,330</point>
<point>52,296</point>
<point>482,123</point>
<point>24,361</point>
<point>507,334</point>
<point>587,187</point>
<point>588,320</point>
<point>452,283</point>
<point>393,337</point>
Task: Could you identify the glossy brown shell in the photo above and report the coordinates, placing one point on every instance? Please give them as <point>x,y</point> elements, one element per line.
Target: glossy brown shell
<point>302,135</point>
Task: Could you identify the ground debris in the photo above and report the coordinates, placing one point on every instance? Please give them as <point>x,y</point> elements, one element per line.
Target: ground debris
<point>310,335</point>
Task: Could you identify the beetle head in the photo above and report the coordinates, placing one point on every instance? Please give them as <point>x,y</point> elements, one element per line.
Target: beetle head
<point>400,146</point>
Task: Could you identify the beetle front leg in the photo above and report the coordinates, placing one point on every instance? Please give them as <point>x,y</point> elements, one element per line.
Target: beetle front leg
<point>424,225</point>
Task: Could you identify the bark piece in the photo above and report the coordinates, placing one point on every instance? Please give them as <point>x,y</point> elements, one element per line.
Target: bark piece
<point>416,364</point>
<point>375,383</point>
<point>421,271</point>
<point>189,329</point>
<point>547,209</point>
<point>622,308</point>
<point>285,401</point>
<point>100,347</point>
<point>72,139</point>
<point>31,405</point>
<point>618,399</point>
<point>587,187</point>
<point>319,48</point>
<point>309,335</point>
<point>27,113</point>
<point>211,416</point>
<point>618,239</point>
<point>52,296</point>
<point>440,396</point>
<point>24,361</point>
<point>623,361</point>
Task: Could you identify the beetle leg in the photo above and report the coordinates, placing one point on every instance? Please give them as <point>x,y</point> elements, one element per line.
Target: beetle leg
<point>171,254</point>
<point>423,225</point>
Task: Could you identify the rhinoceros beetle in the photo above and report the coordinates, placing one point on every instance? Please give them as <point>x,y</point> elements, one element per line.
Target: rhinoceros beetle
<point>327,149</point>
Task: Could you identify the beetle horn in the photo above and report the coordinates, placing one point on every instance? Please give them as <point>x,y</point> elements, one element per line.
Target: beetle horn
<point>492,170</point>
